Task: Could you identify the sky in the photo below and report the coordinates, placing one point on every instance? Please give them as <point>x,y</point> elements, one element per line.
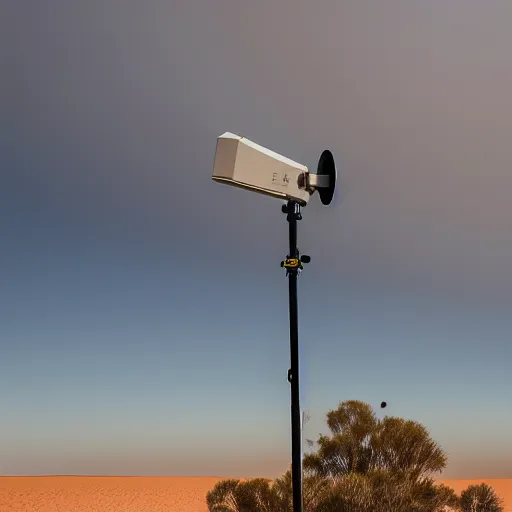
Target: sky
<point>143,311</point>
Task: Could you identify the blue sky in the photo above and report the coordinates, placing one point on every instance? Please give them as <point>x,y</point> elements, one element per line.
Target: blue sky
<point>143,311</point>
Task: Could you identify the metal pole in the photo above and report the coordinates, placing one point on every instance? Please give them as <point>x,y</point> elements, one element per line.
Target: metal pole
<point>293,211</point>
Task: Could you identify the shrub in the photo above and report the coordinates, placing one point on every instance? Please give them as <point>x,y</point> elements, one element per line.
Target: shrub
<point>480,498</point>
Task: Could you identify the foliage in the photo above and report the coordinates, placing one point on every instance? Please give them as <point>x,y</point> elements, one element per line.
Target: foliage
<point>255,495</point>
<point>480,498</point>
<point>362,443</point>
<point>366,464</point>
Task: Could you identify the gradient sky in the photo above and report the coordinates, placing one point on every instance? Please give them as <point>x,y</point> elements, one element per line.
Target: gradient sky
<point>143,312</point>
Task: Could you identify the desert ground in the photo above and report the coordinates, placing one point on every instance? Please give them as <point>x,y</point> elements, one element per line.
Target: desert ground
<point>136,494</point>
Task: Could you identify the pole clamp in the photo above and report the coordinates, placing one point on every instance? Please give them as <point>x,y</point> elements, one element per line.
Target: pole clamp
<point>292,263</point>
<point>295,264</point>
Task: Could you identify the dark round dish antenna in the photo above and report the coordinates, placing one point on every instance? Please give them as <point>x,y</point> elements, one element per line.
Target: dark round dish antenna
<point>326,167</point>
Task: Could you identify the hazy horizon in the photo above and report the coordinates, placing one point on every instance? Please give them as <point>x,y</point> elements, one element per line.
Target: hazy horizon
<point>143,311</point>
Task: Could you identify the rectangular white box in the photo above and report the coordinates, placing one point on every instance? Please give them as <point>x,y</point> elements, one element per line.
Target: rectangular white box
<point>242,163</point>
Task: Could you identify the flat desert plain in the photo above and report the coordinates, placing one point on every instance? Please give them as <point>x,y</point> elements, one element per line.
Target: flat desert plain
<point>137,494</point>
<point>104,494</point>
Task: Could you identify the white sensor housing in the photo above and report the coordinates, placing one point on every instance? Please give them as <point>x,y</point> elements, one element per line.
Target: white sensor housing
<point>242,163</point>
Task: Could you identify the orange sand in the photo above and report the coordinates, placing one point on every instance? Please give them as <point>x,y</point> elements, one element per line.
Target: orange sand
<point>137,494</point>
<point>104,494</point>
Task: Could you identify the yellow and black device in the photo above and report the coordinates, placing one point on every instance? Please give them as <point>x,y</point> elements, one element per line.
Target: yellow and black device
<point>292,263</point>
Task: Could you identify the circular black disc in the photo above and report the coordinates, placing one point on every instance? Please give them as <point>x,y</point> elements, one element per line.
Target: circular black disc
<point>326,166</point>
